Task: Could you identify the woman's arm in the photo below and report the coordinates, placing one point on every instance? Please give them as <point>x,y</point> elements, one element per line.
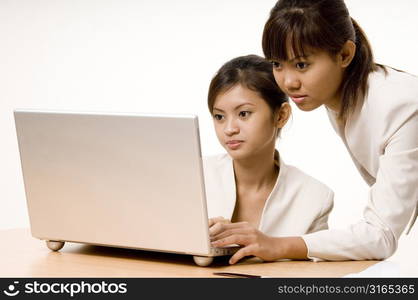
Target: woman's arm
<point>256,243</point>
<point>266,247</point>
<point>392,201</point>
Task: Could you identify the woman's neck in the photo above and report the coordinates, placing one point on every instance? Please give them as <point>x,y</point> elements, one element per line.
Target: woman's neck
<point>334,104</point>
<point>257,172</point>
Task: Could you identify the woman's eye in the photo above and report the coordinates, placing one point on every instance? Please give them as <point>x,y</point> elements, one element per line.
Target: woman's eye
<point>244,114</point>
<point>276,64</point>
<point>301,65</point>
<point>218,117</point>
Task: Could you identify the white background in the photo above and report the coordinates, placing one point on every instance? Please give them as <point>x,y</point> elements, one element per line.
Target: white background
<point>159,56</point>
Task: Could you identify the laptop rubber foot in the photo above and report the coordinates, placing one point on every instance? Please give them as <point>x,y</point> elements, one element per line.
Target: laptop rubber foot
<point>203,261</point>
<point>55,245</point>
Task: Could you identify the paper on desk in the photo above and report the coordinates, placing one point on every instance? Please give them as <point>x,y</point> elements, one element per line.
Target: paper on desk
<point>381,269</point>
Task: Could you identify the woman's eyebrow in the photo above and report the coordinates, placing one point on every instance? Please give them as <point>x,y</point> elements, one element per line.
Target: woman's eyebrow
<point>236,108</point>
<point>218,109</point>
<point>299,57</point>
<point>246,103</point>
<point>293,59</point>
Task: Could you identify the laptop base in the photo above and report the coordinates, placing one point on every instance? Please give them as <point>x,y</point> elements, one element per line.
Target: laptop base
<point>203,261</point>
<point>55,245</point>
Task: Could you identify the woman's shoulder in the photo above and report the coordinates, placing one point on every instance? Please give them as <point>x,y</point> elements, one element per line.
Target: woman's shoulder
<point>391,101</point>
<point>392,86</point>
<point>301,180</point>
<point>306,190</point>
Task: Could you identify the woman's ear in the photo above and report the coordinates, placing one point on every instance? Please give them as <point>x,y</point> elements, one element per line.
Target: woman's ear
<point>282,115</point>
<point>347,53</point>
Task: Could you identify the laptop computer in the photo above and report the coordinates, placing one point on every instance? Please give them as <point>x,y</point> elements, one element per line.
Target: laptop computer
<point>116,179</point>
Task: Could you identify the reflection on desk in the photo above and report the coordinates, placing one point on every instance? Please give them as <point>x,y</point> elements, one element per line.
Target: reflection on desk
<point>21,255</point>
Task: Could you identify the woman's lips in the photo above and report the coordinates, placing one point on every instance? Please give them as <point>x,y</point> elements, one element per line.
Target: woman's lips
<point>298,99</point>
<point>234,144</point>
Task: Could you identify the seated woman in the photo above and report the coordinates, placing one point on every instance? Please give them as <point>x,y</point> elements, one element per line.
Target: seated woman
<point>250,190</point>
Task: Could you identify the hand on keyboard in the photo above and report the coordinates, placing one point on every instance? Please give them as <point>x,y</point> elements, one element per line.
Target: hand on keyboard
<point>253,241</point>
<point>215,225</point>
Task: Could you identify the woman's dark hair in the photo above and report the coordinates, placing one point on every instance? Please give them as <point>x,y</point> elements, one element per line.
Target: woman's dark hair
<point>326,25</point>
<point>252,72</point>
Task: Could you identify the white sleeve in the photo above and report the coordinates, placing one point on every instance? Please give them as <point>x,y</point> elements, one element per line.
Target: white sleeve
<point>321,222</point>
<point>392,200</point>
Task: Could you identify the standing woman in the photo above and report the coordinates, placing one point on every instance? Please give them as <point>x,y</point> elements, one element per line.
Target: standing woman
<point>321,56</point>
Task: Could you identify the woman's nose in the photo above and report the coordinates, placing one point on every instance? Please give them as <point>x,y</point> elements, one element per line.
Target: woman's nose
<point>231,127</point>
<point>291,81</point>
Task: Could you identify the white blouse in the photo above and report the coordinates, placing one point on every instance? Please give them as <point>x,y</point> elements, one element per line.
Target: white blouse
<point>382,139</point>
<point>298,203</point>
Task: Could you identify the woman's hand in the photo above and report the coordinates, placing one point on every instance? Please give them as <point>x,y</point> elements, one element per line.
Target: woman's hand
<point>215,225</point>
<point>253,241</point>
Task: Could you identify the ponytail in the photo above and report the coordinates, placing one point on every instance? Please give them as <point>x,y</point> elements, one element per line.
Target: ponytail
<point>355,82</point>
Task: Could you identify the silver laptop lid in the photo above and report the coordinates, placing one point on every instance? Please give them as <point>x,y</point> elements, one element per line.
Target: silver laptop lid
<point>125,180</point>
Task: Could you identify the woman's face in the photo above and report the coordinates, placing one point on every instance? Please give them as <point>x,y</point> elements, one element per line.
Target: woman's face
<point>244,123</point>
<point>311,81</point>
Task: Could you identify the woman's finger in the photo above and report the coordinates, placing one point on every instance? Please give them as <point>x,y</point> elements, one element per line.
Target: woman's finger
<point>221,227</point>
<point>214,220</point>
<point>241,253</point>
<point>231,231</point>
<point>240,239</point>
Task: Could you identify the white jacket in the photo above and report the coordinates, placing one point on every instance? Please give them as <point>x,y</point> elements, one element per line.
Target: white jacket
<point>298,203</point>
<point>382,139</point>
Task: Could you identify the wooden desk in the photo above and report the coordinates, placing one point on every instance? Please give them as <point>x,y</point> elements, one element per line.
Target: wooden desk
<point>21,255</point>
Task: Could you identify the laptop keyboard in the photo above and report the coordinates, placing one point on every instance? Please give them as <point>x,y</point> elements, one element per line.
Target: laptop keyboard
<point>223,251</point>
